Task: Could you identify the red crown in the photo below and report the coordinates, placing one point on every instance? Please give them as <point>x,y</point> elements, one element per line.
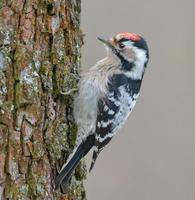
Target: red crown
<point>129,36</point>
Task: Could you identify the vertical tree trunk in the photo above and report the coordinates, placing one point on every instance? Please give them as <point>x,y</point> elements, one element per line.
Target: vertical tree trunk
<point>40,44</point>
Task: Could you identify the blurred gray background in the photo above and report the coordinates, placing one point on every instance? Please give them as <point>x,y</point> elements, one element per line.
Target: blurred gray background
<point>153,157</point>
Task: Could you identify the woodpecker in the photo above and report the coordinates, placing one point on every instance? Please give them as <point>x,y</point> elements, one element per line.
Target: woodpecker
<point>107,93</point>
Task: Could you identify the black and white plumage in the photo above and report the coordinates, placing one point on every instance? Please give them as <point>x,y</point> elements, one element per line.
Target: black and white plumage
<point>107,94</point>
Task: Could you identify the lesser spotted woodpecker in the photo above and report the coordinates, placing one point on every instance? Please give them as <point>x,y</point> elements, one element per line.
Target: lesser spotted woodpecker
<point>107,94</point>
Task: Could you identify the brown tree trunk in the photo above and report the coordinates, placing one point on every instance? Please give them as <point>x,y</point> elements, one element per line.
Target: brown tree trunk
<point>40,44</point>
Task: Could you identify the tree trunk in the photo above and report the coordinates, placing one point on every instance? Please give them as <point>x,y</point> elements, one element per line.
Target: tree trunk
<point>40,44</point>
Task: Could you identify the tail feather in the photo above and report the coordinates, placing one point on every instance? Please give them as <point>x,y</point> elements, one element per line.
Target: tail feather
<point>94,157</point>
<point>68,168</point>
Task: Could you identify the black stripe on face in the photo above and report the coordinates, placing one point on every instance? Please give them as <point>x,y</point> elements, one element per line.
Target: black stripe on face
<point>141,44</point>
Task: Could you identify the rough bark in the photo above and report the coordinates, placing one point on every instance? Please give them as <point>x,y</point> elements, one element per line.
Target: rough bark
<point>40,44</point>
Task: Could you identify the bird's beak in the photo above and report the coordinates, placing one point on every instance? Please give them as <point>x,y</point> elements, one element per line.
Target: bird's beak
<point>110,45</point>
<point>107,43</point>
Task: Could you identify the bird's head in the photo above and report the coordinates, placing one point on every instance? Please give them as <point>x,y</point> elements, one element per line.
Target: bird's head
<point>128,46</point>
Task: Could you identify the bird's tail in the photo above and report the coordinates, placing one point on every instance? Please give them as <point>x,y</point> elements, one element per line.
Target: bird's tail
<point>80,152</point>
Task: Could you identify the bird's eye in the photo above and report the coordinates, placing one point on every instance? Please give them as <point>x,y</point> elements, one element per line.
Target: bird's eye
<point>121,45</point>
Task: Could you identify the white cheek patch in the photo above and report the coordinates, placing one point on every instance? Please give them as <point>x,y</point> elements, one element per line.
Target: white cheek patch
<point>138,70</point>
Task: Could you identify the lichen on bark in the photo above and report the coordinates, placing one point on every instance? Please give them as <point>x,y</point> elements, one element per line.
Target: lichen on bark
<point>40,45</point>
